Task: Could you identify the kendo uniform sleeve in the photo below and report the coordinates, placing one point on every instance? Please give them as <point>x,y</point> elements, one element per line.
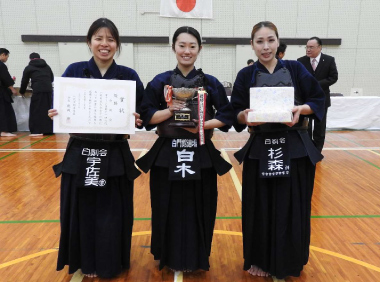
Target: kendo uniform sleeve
<point>152,101</point>
<point>5,77</point>
<point>224,110</point>
<point>311,90</point>
<point>24,81</point>
<point>239,98</point>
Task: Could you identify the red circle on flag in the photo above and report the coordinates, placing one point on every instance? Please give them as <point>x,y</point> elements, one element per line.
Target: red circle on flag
<point>186,5</point>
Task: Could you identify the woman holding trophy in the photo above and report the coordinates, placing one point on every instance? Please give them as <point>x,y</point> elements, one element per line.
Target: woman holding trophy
<point>279,161</point>
<point>183,162</point>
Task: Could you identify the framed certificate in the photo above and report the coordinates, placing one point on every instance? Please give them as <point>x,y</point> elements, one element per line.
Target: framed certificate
<point>94,105</point>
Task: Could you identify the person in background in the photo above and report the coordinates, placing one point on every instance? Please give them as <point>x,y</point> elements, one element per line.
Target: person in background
<point>323,68</point>
<point>8,122</point>
<point>96,221</point>
<point>279,162</point>
<point>183,171</point>
<point>41,76</point>
<point>281,50</point>
<point>250,62</point>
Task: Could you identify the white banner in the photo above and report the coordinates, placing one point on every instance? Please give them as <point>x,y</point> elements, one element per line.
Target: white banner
<point>186,8</point>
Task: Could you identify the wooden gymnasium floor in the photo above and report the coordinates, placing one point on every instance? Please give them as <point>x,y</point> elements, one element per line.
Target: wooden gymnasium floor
<point>345,241</point>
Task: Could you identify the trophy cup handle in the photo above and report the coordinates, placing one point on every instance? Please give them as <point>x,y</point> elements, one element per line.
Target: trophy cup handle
<point>168,94</point>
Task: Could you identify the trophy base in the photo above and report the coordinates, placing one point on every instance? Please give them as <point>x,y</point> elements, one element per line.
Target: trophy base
<point>190,124</point>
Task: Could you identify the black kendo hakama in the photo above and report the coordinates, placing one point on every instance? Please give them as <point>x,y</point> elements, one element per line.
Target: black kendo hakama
<point>7,114</point>
<point>276,207</point>
<point>183,209</point>
<point>41,76</point>
<point>97,219</point>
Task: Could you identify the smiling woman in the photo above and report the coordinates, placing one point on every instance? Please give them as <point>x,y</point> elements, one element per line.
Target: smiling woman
<point>277,189</point>
<point>183,172</point>
<point>96,222</point>
<point>103,42</point>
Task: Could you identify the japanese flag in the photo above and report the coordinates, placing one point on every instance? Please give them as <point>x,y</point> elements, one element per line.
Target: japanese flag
<point>186,8</point>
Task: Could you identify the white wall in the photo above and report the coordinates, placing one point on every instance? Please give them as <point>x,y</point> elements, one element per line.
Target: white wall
<point>357,22</point>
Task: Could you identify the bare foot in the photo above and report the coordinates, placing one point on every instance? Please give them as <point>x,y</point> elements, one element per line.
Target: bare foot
<point>257,271</point>
<point>92,275</point>
<point>35,135</point>
<point>7,134</point>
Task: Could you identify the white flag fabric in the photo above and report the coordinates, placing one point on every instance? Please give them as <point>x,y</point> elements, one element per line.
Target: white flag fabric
<point>186,8</point>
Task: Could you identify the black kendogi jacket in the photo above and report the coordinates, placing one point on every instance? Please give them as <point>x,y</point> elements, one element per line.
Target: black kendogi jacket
<point>154,101</point>
<point>307,91</point>
<point>41,75</point>
<point>5,81</point>
<point>119,163</point>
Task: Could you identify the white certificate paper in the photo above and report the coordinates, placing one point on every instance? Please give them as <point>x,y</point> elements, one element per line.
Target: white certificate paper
<point>271,104</point>
<point>94,105</point>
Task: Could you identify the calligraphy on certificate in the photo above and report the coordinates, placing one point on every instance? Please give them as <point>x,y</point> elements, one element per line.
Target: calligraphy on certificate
<point>94,105</point>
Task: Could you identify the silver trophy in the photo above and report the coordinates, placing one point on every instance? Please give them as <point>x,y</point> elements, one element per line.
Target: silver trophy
<point>185,116</point>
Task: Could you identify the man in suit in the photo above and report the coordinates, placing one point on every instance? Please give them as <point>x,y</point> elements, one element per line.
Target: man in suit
<point>323,68</point>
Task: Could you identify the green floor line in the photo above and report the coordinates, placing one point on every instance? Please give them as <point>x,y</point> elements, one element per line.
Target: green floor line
<point>29,221</point>
<point>346,216</point>
<point>38,141</point>
<point>6,156</point>
<point>364,160</point>
<point>6,143</point>
<point>218,217</point>
<point>350,140</point>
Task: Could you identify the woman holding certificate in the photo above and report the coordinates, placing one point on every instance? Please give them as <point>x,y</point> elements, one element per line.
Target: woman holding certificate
<point>279,160</point>
<point>183,162</point>
<point>97,175</point>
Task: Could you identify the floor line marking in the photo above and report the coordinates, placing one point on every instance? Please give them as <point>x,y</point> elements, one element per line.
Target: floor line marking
<point>225,149</point>
<point>352,149</point>
<point>233,174</point>
<point>55,150</point>
<point>374,152</point>
<point>327,149</point>
<point>327,252</point>
<point>143,152</point>
<point>141,233</point>
<point>13,152</point>
<point>178,276</point>
<point>349,140</point>
<point>32,150</point>
<point>222,232</point>
<point>226,232</point>
<point>350,259</point>
<point>364,160</point>
<point>277,280</point>
<point>28,257</point>
<point>218,217</point>
<point>11,141</point>
<point>77,277</point>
